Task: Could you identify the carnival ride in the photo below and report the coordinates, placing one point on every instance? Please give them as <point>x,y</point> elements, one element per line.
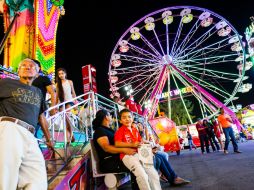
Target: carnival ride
<point>177,47</point>
<point>30,31</point>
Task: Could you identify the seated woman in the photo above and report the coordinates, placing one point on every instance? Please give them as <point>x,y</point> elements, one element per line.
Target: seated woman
<point>109,159</point>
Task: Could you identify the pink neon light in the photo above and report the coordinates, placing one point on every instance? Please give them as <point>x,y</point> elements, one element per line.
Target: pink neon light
<point>47,32</point>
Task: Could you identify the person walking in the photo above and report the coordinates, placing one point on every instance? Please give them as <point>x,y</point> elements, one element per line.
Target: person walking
<point>191,144</point>
<point>225,123</point>
<point>22,165</point>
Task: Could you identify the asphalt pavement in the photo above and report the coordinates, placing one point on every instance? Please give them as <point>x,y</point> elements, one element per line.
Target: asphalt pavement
<point>214,171</point>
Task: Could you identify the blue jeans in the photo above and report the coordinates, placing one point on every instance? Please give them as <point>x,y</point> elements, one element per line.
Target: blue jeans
<point>165,168</point>
<point>191,144</point>
<point>230,133</point>
<point>162,153</point>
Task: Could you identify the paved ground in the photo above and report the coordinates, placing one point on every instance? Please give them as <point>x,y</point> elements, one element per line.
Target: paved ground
<point>214,171</point>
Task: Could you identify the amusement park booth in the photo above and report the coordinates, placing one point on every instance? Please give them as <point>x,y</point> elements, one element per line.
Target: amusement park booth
<point>246,115</point>
<point>182,131</point>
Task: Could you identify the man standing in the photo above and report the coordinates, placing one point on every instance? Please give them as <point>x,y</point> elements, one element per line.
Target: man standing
<point>131,104</point>
<point>225,123</point>
<point>22,165</point>
<point>202,134</point>
<point>45,85</point>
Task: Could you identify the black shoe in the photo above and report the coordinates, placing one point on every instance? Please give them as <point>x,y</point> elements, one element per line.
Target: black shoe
<point>237,151</point>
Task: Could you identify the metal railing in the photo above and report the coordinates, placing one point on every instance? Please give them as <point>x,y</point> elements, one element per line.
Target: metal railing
<point>80,117</point>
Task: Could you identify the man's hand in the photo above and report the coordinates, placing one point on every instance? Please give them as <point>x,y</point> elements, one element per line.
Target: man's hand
<point>53,112</point>
<point>50,145</point>
<point>129,151</point>
<point>136,144</point>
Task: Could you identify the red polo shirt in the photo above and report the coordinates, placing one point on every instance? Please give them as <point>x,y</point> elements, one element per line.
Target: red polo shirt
<point>139,108</point>
<point>203,129</point>
<point>131,105</point>
<point>123,134</point>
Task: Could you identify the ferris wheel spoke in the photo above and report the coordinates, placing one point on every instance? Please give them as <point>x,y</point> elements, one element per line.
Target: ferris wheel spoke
<point>200,94</point>
<point>203,51</point>
<point>195,44</point>
<point>137,59</point>
<point>214,72</point>
<point>148,91</point>
<point>208,85</point>
<point>147,42</point>
<point>200,98</point>
<point>136,69</point>
<point>143,52</point>
<point>212,76</point>
<point>181,97</point>
<point>135,79</point>
<point>177,37</point>
<point>188,37</point>
<point>194,91</point>
<point>167,39</point>
<point>211,60</point>
<point>149,85</point>
<point>158,41</point>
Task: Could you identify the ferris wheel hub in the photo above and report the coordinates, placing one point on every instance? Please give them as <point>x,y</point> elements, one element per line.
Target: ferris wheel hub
<point>166,59</point>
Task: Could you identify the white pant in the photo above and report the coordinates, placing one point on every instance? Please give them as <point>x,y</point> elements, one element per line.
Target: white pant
<point>22,165</point>
<point>144,182</point>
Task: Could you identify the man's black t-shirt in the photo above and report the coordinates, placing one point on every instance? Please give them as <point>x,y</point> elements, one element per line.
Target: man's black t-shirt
<point>108,162</point>
<point>102,131</point>
<point>42,82</point>
<point>20,101</point>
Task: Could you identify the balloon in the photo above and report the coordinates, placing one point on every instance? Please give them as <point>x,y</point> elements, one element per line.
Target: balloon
<point>159,126</point>
<point>164,138</point>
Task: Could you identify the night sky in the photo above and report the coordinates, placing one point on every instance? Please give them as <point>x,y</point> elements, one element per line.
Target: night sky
<point>103,24</point>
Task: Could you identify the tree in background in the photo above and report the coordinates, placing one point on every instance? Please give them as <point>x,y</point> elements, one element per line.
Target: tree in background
<point>178,113</point>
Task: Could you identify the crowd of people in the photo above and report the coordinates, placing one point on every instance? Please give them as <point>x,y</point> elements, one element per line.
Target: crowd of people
<point>22,106</point>
<point>209,131</point>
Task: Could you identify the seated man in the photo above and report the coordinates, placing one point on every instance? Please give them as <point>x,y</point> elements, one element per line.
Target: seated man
<point>128,136</point>
<point>109,159</point>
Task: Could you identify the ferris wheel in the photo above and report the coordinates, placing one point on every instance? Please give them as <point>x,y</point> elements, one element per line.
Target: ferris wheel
<point>180,47</point>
